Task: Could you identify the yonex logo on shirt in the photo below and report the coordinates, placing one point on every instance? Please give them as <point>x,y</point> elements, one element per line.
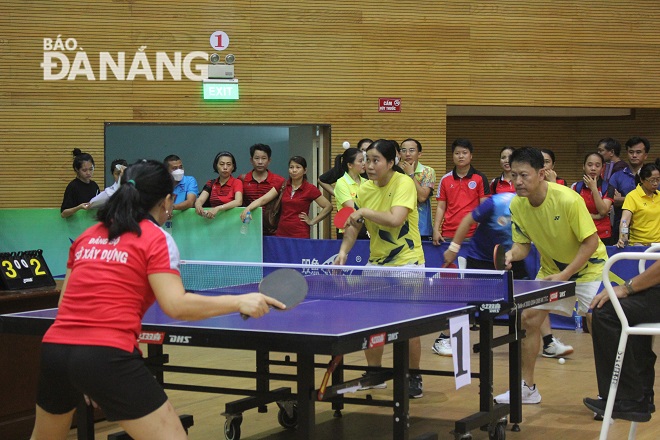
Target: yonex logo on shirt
<point>557,217</point>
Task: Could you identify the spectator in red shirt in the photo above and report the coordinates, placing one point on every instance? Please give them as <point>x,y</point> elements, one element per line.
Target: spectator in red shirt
<point>92,347</point>
<point>296,202</point>
<point>460,191</point>
<point>503,183</point>
<point>223,193</point>
<point>260,180</point>
<point>597,195</point>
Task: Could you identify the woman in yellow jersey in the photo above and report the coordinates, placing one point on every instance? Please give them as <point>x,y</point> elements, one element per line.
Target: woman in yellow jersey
<point>351,163</point>
<point>388,209</point>
<point>641,210</point>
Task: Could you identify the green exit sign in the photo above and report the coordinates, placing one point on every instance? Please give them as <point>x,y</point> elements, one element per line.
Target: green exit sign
<point>220,91</point>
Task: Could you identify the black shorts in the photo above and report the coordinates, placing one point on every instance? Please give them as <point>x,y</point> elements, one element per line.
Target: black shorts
<point>116,380</point>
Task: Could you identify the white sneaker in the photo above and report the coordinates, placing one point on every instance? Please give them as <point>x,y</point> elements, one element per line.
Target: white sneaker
<point>530,395</point>
<point>556,349</point>
<point>442,347</point>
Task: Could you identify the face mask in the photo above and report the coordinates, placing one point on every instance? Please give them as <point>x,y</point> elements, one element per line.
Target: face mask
<point>396,160</point>
<point>178,175</point>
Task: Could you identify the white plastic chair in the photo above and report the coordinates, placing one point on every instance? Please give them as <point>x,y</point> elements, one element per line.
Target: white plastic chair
<point>651,329</point>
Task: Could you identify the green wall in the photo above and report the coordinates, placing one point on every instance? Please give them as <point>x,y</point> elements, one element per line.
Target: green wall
<point>197,238</point>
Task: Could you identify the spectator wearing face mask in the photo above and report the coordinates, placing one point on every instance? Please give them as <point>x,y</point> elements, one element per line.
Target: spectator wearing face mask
<point>185,189</point>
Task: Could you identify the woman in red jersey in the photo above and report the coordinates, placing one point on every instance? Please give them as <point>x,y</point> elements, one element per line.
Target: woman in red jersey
<point>116,270</point>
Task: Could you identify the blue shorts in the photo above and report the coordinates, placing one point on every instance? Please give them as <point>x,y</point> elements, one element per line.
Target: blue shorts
<point>118,381</point>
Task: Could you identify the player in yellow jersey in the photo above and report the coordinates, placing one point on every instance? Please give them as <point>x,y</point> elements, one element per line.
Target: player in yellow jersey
<point>388,209</point>
<point>555,218</point>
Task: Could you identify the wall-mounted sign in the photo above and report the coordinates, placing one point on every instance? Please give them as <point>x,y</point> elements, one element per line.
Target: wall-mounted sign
<point>219,40</point>
<point>220,91</point>
<point>389,105</point>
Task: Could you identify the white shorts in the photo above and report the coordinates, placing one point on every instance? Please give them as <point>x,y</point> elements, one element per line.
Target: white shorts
<point>584,294</point>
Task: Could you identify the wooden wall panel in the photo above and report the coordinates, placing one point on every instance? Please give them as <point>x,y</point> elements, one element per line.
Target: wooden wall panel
<point>323,62</point>
<point>569,139</point>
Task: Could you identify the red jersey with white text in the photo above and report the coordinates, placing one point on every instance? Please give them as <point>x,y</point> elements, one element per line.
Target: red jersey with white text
<point>108,290</point>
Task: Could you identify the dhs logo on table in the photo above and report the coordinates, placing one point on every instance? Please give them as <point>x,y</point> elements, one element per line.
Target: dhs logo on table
<point>179,339</point>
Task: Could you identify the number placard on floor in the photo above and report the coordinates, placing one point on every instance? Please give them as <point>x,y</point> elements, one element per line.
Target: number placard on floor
<point>459,328</point>
<point>24,270</point>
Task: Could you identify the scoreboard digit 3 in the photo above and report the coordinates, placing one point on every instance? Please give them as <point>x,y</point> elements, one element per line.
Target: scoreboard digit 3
<point>24,270</point>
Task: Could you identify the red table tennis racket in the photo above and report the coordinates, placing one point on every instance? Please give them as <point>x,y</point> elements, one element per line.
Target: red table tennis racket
<point>499,257</point>
<point>285,285</point>
<point>342,216</point>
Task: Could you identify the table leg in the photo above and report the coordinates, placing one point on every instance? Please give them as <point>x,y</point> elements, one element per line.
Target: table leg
<point>306,396</point>
<point>485,361</point>
<point>263,368</point>
<point>85,420</point>
<point>515,366</point>
<point>401,420</point>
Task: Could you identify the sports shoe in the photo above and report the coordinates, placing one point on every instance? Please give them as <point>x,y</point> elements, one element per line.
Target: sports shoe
<point>530,395</point>
<point>556,349</point>
<point>415,387</point>
<point>378,386</point>
<point>630,410</point>
<point>442,346</point>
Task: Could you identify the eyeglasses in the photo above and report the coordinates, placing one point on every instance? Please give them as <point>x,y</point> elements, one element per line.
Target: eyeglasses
<point>653,180</point>
<point>411,151</point>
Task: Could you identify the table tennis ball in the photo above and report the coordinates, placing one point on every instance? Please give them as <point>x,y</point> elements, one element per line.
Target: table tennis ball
<point>561,361</point>
<point>346,145</point>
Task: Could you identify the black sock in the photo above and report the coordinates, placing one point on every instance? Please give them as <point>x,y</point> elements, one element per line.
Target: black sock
<point>547,340</point>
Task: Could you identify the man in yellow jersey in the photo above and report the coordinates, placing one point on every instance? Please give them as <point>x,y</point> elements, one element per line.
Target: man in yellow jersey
<point>555,218</point>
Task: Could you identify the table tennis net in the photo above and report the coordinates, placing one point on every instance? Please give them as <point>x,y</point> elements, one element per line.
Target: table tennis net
<point>359,283</point>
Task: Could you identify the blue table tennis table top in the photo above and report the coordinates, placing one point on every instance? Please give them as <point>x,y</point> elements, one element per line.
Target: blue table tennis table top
<point>334,317</point>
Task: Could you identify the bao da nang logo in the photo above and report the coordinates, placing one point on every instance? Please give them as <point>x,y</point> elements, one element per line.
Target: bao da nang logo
<point>66,59</point>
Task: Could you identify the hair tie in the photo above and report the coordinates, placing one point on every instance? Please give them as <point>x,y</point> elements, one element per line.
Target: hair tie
<point>132,182</point>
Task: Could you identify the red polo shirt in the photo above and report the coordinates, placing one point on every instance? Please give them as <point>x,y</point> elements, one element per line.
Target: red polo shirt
<point>221,194</point>
<point>253,189</point>
<point>293,203</point>
<point>462,195</point>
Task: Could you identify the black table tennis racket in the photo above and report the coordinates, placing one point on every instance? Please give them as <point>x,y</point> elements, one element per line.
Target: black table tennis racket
<point>499,257</point>
<point>285,285</point>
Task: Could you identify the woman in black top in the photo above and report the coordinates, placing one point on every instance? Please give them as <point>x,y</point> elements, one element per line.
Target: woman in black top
<point>82,189</point>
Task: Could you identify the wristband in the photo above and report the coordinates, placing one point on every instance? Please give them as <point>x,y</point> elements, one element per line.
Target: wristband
<point>454,247</point>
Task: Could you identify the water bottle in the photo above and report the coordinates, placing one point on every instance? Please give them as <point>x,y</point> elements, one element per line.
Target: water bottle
<point>578,324</point>
<point>624,232</point>
<point>246,223</point>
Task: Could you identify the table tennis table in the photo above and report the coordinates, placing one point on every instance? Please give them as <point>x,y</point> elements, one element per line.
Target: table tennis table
<point>365,310</point>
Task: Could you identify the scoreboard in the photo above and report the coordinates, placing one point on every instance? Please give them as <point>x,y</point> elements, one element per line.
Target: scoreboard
<point>24,270</point>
